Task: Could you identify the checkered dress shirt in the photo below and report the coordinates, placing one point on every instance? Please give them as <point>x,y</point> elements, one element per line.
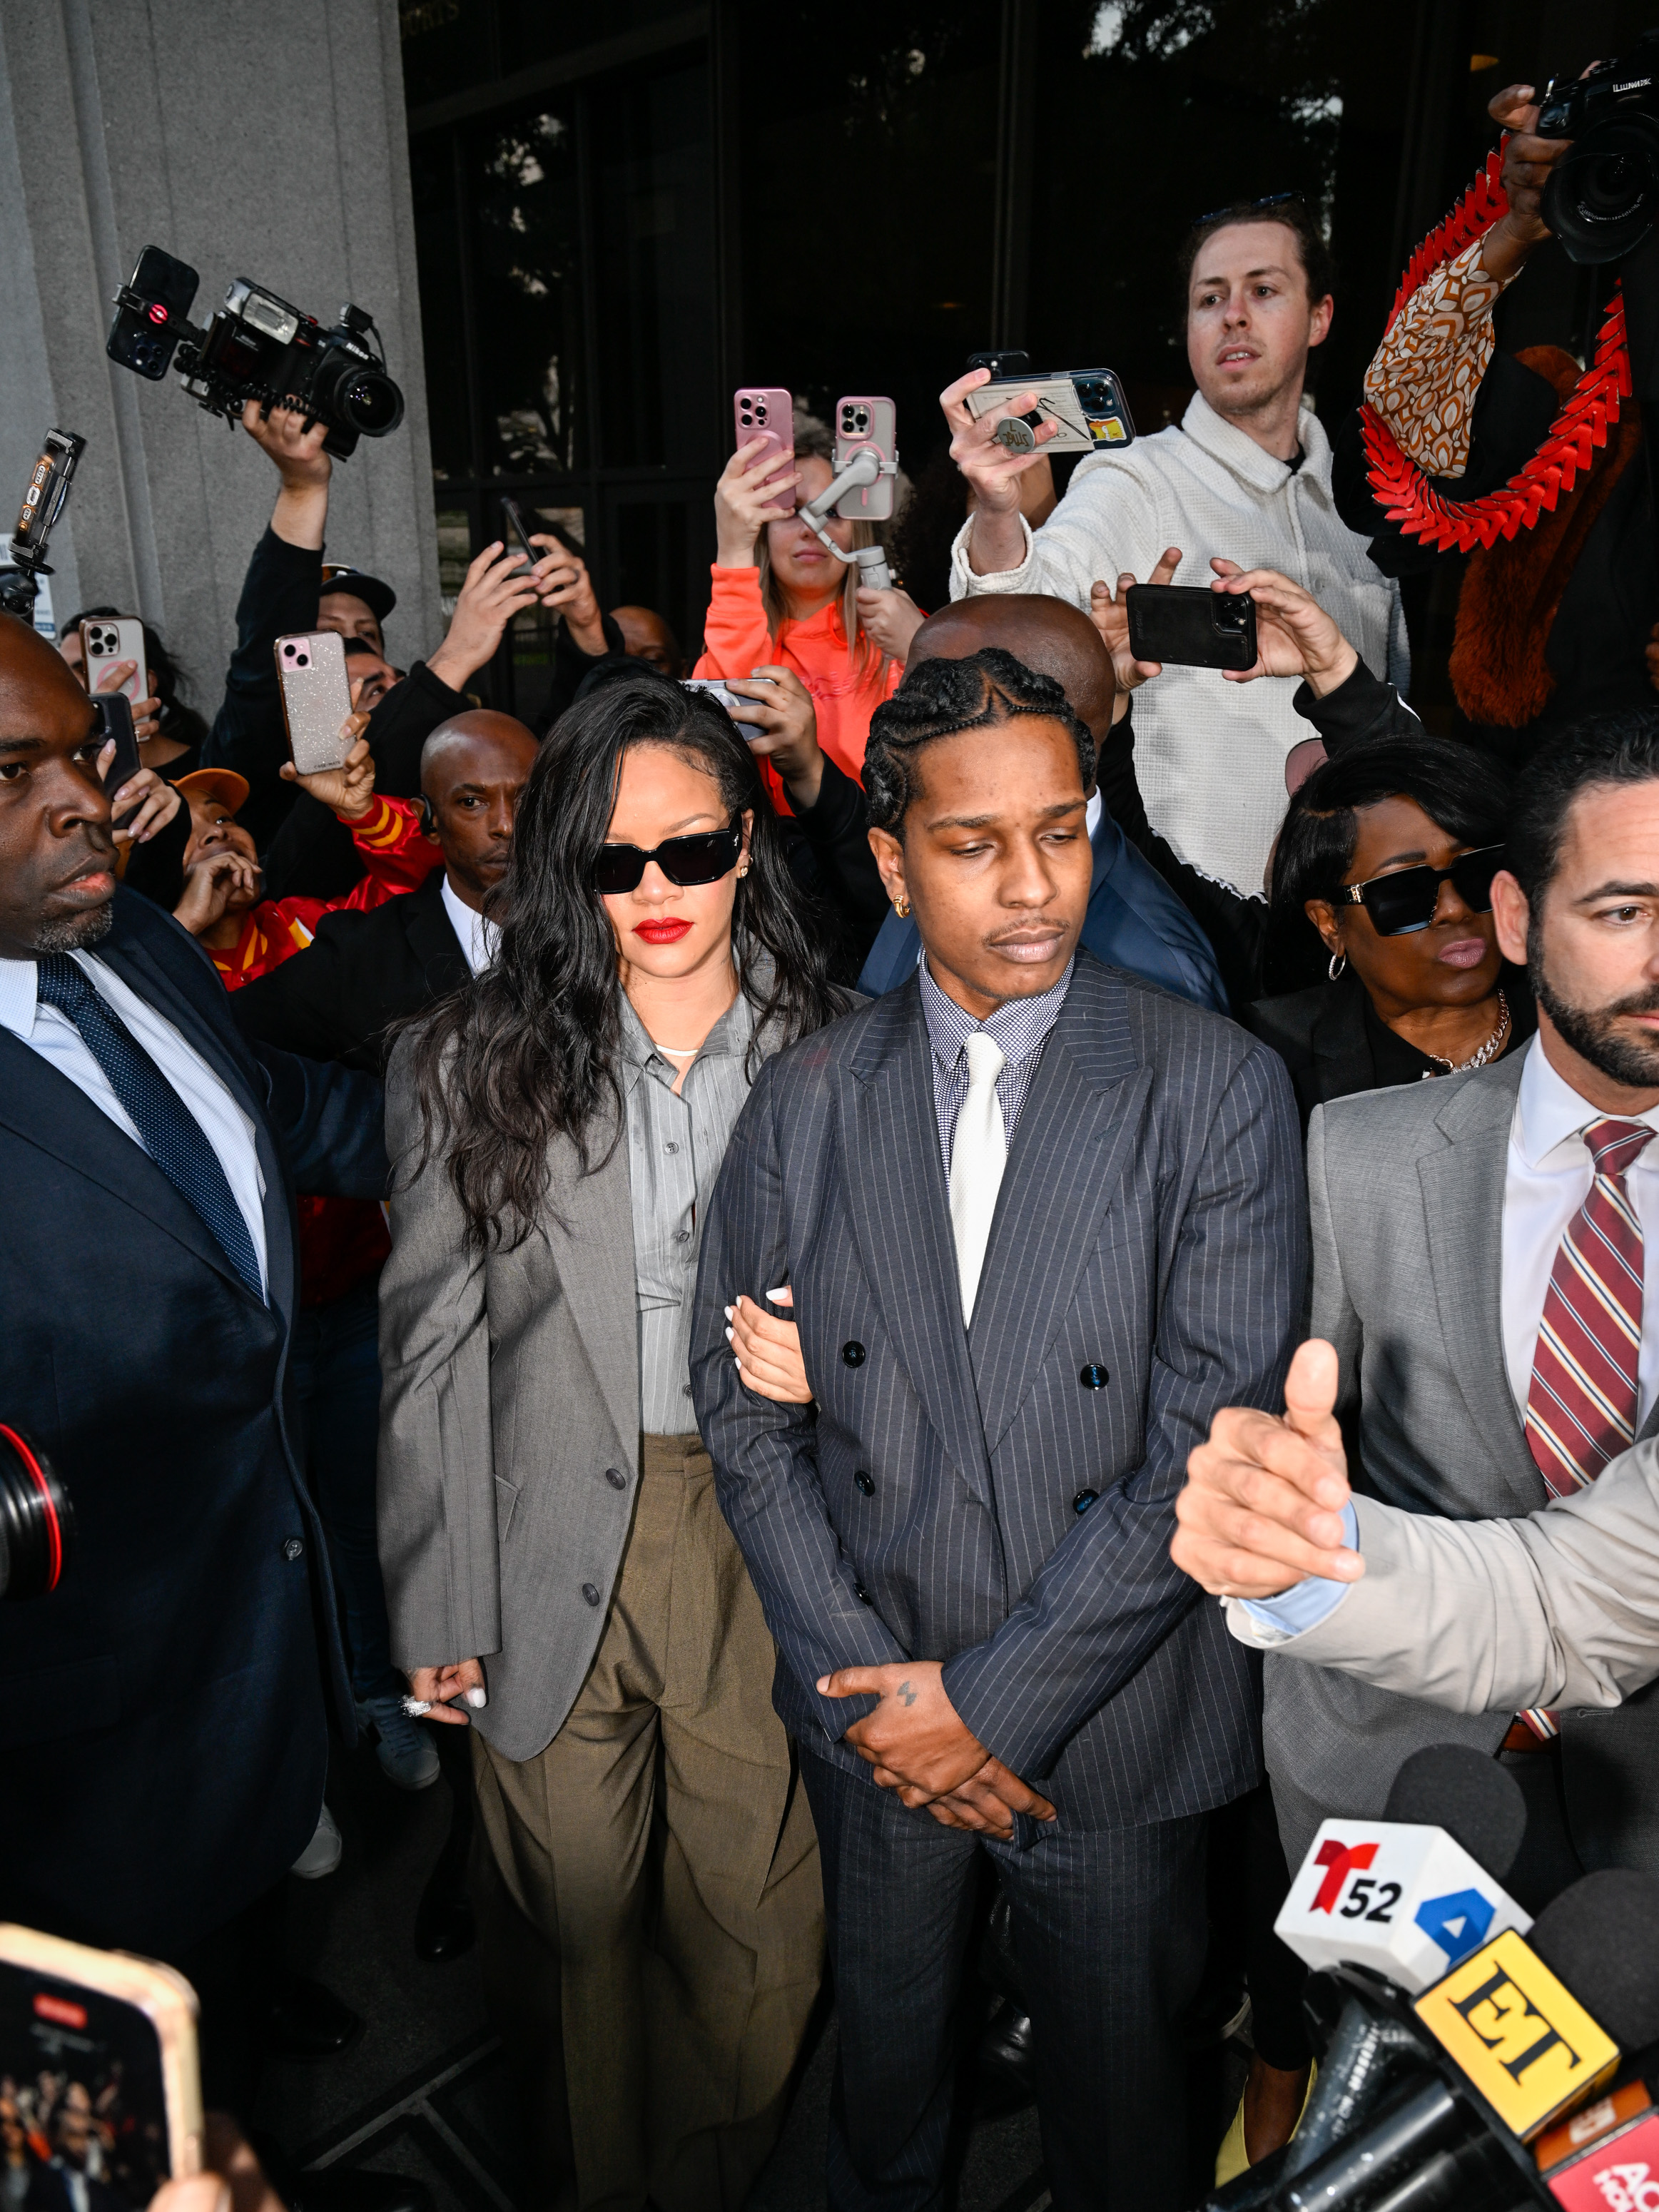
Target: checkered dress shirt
<point>1019,1028</point>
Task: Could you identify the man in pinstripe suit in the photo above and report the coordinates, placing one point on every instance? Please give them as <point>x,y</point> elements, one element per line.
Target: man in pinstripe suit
<point>1040,1221</point>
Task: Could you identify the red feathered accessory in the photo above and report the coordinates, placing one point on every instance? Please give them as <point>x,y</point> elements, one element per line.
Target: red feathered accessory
<point>1400,488</point>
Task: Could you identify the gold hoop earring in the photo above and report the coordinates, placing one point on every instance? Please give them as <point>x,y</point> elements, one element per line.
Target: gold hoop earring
<point>902,908</point>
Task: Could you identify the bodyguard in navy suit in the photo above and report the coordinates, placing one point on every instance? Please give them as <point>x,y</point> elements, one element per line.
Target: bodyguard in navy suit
<point>163,1725</point>
<point>1038,1218</point>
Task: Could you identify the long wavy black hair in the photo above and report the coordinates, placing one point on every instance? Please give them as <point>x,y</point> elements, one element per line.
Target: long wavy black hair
<point>526,1052</point>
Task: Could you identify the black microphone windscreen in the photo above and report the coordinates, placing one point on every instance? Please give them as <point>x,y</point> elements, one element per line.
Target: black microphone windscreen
<point>1466,1792</point>
<point>1601,1938</point>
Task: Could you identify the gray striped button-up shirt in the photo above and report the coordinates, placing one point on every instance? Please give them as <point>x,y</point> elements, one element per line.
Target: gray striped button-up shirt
<point>1019,1029</point>
<point>675,1148</point>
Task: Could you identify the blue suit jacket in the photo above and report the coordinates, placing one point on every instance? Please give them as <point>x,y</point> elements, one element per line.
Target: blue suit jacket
<point>1134,922</point>
<point>1002,1497</point>
<point>164,1731</point>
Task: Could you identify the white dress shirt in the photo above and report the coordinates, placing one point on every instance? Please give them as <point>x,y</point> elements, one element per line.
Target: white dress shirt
<point>50,1033</point>
<point>1547,1181</point>
<point>478,938</point>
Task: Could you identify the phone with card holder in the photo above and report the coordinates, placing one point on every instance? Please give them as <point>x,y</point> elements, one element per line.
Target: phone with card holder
<point>105,639</point>
<point>1190,627</point>
<point>766,411</point>
<point>97,2053</point>
<point>862,422</point>
<point>1086,406</point>
<point>311,675</point>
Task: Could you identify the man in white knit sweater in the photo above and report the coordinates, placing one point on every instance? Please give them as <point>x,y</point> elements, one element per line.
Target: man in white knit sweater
<point>1245,476</point>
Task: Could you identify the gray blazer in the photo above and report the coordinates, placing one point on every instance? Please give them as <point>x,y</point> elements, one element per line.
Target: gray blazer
<point>1406,1190</point>
<point>509,1428</point>
<point>1561,1608</point>
<point>1002,1499</point>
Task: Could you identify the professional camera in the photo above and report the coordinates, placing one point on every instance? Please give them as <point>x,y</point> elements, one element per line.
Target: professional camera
<point>256,347</point>
<point>37,1522</point>
<point>1601,198</point>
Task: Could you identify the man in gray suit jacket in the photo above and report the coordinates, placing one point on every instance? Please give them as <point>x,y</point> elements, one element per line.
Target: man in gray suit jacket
<point>1039,1218</point>
<point>1478,1267</point>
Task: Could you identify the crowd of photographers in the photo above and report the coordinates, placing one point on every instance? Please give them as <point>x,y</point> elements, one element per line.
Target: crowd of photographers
<point>1283,846</point>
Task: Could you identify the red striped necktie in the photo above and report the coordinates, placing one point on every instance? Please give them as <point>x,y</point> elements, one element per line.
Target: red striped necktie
<point>1582,1406</point>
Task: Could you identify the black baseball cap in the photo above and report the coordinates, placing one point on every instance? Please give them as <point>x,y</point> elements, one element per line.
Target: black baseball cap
<point>379,598</point>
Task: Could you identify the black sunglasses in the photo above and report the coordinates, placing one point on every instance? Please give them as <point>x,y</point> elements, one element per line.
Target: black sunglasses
<point>1240,209</point>
<point>703,858</point>
<point>1405,900</point>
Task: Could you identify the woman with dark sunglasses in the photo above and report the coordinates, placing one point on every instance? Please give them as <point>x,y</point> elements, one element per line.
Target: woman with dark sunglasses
<point>554,1556</point>
<point>1386,858</point>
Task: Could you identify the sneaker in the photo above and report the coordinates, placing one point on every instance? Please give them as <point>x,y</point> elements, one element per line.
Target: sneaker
<point>406,1752</point>
<point>322,1853</point>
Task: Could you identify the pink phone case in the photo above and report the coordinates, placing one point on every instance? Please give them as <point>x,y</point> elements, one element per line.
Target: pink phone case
<point>766,411</point>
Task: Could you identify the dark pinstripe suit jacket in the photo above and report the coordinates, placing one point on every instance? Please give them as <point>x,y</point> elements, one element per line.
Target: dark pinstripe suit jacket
<point>1151,1221</point>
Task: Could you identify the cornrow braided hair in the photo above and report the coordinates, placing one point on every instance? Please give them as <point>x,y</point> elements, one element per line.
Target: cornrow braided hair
<point>941,697</point>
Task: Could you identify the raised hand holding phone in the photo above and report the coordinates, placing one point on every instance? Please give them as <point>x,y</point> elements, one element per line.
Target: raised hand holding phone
<point>1294,634</point>
<point>746,498</point>
<point>1262,1507</point>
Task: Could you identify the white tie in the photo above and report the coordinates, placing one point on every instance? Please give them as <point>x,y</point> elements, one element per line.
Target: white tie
<point>977,1159</point>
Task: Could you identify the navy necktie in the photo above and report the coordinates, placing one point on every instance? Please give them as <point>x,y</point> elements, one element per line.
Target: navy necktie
<point>169,1132</point>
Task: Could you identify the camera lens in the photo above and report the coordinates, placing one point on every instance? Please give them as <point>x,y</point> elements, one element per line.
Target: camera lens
<point>37,1523</point>
<point>370,402</point>
<point>1600,197</point>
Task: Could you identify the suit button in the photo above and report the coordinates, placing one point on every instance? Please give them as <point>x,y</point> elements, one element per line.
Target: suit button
<point>1093,1377</point>
<point>294,1548</point>
<point>861,1594</point>
<point>853,1353</point>
<point>616,1478</point>
<point>865,1482</point>
<point>590,1593</point>
<point>1084,1500</point>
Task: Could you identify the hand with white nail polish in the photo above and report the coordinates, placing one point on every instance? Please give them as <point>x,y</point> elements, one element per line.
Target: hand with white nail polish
<point>768,1350</point>
<point>434,1688</point>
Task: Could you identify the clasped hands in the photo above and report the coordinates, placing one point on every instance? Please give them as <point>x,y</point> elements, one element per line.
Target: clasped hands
<point>1262,1508</point>
<point>919,1747</point>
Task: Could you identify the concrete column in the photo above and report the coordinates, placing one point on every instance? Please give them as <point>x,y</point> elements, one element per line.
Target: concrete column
<point>251,142</point>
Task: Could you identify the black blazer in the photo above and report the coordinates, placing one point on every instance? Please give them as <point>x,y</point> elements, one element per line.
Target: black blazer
<point>164,1733</point>
<point>1321,1036</point>
<point>1003,1500</point>
<point>363,972</point>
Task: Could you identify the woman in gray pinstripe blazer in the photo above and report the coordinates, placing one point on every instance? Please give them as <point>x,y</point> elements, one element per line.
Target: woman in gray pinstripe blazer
<point>554,1552</point>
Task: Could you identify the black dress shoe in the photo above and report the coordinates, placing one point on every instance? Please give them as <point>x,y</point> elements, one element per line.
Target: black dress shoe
<point>308,2021</point>
<point>1006,2076</point>
<point>444,1926</point>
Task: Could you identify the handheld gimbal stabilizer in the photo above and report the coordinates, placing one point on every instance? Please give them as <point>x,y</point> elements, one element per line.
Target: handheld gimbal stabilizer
<point>866,467</point>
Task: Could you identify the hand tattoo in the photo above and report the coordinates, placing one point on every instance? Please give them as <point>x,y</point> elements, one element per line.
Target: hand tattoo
<point>907,1695</point>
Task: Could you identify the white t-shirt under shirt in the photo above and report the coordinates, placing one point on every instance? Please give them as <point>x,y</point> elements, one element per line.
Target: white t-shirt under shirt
<point>1210,755</point>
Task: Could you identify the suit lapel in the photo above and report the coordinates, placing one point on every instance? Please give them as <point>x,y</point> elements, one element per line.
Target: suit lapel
<point>901,1211</point>
<point>432,938</point>
<point>589,1225</point>
<point>1462,1186</point>
<point>137,966</point>
<point>1075,1139</point>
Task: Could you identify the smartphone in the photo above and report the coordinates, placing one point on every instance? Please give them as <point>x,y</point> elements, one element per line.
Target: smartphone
<point>151,313</point>
<point>1087,404</point>
<point>1004,367</point>
<point>735,704</point>
<point>516,532</point>
<point>1191,627</point>
<point>311,675</point>
<point>98,2059</point>
<point>862,422</point>
<point>767,412</point>
<point>115,713</point>
<point>105,639</point>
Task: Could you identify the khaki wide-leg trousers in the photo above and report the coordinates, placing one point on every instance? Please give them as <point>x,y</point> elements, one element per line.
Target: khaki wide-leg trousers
<point>654,1933</point>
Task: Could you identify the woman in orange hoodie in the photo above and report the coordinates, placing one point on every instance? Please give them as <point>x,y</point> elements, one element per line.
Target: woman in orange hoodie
<point>781,601</point>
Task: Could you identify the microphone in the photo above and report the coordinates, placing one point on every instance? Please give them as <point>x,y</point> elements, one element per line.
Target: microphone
<point>1413,1893</point>
<point>1429,2102</point>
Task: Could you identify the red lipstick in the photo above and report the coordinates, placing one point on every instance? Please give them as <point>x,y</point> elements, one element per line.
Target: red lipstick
<point>666,930</point>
